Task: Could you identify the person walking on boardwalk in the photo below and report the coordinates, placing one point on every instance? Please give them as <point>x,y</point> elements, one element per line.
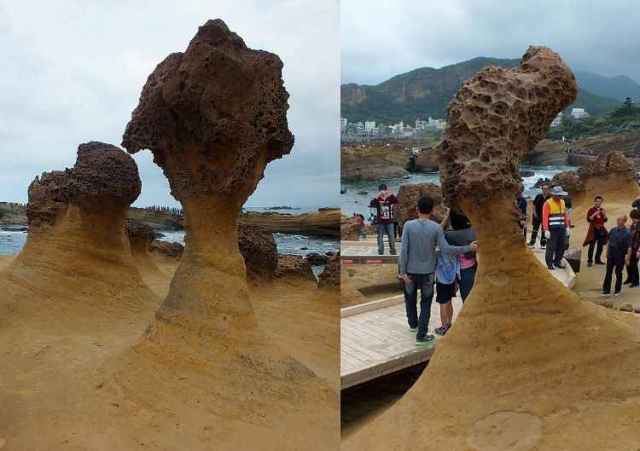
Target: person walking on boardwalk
<point>617,255</point>
<point>417,264</point>
<point>633,274</point>
<point>555,221</point>
<point>597,234</point>
<point>536,217</point>
<point>383,204</point>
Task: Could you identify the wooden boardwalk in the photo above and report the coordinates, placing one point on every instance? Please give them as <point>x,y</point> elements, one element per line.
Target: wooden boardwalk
<point>375,340</point>
<point>375,337</point>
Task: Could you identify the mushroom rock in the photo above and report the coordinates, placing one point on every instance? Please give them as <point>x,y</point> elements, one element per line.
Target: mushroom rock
<point>527,364</point>
<point>77,242</point>
<point>214,117</point>
<point>259,250</point>
<point>408,197</point>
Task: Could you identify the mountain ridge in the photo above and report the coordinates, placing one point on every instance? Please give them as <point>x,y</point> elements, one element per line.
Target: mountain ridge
<point>426,91</point>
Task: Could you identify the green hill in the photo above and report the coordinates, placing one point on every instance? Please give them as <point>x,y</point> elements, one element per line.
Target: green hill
<point>426,92</point>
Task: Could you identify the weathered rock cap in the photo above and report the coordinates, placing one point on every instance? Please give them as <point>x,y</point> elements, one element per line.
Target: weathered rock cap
<point>497,117</point>
<point>103,177</point>
<point>48,198</point>
<point>213,116</point>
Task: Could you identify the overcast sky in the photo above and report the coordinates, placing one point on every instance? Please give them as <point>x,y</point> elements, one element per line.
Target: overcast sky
<point>386,37</point>
<point>72,72</point>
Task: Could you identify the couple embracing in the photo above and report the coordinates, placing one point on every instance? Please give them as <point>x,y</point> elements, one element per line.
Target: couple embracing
<point>429,257</point>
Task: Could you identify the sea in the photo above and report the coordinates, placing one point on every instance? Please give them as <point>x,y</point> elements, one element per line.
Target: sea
<point>12,239</point>
<point>357,195</point>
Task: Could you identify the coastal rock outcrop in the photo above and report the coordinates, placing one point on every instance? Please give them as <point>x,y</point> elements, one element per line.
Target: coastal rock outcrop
<point>295,266</point>
<point>259,250</point>
<point>330,277</point>
<point>516,304</point>
<point>408,197</point>
<point>324,222</point>
<point>373,162</point>
<point>170,249</point>
<point>214,116</point>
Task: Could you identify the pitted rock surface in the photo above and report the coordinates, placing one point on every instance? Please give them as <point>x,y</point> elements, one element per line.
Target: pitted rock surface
<point>259,250</point>
<point>495,119</point>
<point>611,163</point>
<point>409,195</point>
<point>213,116</point>
<point>104,176</point>
<point>48,197</point>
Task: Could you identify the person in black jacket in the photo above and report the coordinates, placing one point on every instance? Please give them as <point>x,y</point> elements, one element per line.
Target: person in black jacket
<point>536,216</point>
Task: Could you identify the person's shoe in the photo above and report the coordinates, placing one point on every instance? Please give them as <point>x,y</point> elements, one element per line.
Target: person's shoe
<point>560,265</point>
<point>589,264</point>
<point>551,268</point>
<point>413,329</point>
<point>427,340</point>
<point>393,252</point>
<point>531,245</point>
<point>600,263</point>
<point>617,293</point>
<point>634,285</point>
<point>606,294</point>
<point>442,329</point>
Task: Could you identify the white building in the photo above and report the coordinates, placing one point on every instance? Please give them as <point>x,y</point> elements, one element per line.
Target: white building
<point>421,125</point>
<point>369,126</point>
<point>579,113</point>
<point>557,121</point>
<point>343,124</point>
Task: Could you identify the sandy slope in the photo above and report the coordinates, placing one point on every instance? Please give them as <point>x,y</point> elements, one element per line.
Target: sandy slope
<point>62,386</point>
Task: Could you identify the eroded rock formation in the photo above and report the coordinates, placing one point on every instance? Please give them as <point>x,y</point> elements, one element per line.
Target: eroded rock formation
<point>330,276</point>
<point>408,197</point>
<point>295,266</point>
<point>259,250</point>
<point>77,236</point>
<point>325,222</point>
<point>214,117</point>
<point>495,385</point>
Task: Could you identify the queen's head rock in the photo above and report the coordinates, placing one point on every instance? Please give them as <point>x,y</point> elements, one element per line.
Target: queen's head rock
<point>214,116</point>
<point>496,117</point>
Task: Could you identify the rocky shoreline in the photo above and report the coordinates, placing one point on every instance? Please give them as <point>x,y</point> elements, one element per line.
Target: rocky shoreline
<point>382,160</point>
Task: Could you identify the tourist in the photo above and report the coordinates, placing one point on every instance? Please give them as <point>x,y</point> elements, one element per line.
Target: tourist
<point>536,217</point>
<point>597,233</point>
<point>569,204</point>
<point>384,218</point>
<point>417,264</point>
<point>447,272</point>
<point>555,221</point>
<point>633,275</point>
<point>617,255</point>
<point>358,220</point>
<point>462,235</point>
<point>521,204</point>
<point>636,204</point>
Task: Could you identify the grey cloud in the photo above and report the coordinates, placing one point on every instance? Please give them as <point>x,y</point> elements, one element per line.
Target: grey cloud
<point>74,74</point>
<point>382,39</point>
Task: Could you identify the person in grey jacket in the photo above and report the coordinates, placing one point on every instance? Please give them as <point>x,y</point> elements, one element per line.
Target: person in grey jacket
<point>417,264</point>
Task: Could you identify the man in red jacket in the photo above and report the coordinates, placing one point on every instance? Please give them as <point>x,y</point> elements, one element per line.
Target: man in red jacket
<point>384,203</point>
<point>597,234</point>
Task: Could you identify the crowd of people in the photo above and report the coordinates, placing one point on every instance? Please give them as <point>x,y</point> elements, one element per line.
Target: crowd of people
<point>438,258</point>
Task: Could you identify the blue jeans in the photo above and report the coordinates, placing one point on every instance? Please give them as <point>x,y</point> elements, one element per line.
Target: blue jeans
<point>388,229</point>
<point>424,283</point>
<point>467,279</point>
